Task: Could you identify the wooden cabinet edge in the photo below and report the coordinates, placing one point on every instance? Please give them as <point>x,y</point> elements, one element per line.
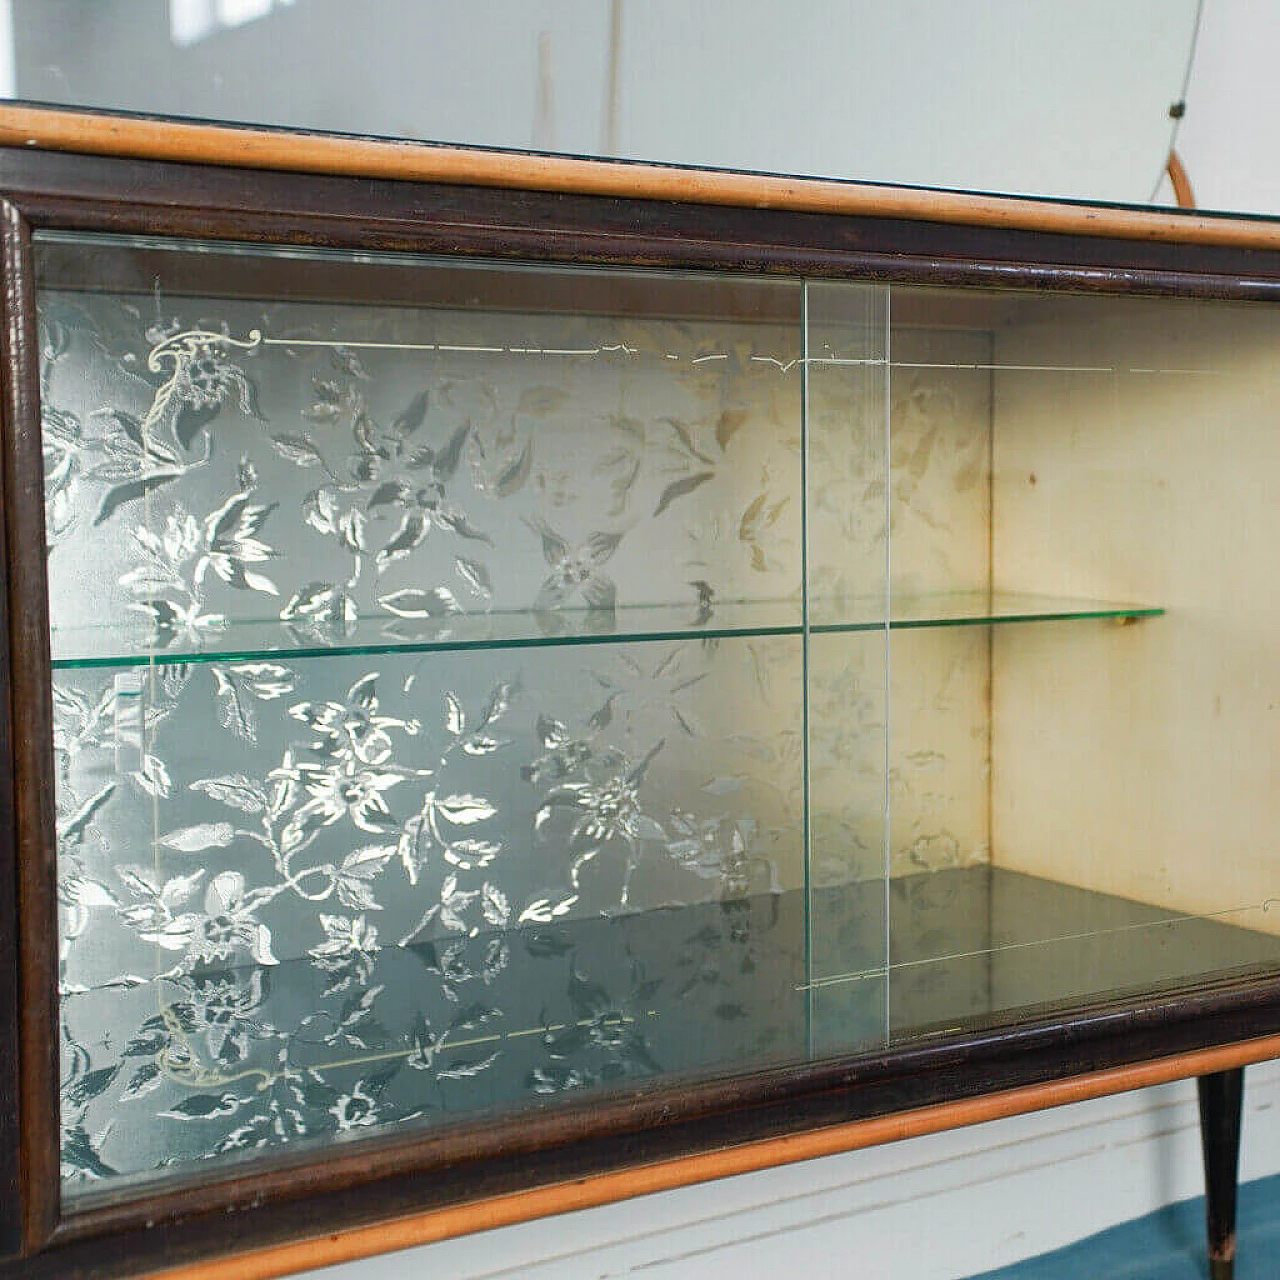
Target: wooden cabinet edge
<point>45,128</point>
<point>586,1193</point>
<point>25,805</point>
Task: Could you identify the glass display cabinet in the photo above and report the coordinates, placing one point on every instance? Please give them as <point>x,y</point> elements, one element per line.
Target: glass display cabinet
<point>516,690</point>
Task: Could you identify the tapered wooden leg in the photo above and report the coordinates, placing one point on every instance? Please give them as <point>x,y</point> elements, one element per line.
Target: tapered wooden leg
<point>1221,1096</point>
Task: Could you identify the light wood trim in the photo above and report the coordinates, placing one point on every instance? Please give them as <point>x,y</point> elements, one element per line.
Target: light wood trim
<point>586,1193</point>
<point>188,142</point>
<point>1182,193</point>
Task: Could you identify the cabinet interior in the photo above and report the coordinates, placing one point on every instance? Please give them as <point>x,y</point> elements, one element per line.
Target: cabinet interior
<point>480,685</point>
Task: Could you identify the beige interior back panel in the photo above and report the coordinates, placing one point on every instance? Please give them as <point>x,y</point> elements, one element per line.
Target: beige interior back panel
<point>1141,760</point>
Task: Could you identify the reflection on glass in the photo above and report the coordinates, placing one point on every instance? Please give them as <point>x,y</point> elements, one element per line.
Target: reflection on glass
<point>1068,813</point>
<point>479,687</point>
<point>1036,99</point>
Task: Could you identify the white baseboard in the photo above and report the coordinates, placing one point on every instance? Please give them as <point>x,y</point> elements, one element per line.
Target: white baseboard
<point>933,1208</point>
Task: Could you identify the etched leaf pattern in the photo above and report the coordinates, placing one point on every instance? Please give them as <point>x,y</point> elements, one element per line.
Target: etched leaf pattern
<point>345,815</point>
<point>308,486</point>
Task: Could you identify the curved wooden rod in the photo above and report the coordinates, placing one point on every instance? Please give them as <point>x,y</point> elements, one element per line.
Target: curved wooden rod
<point>586,1193</point>
<point>245,147</point>
<point>1182,192</point>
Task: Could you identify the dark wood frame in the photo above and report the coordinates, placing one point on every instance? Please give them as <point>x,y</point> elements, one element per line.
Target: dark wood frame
<point>286,1198</point>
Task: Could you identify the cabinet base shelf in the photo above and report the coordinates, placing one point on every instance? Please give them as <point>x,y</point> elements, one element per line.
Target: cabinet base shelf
<point>447,1031</point>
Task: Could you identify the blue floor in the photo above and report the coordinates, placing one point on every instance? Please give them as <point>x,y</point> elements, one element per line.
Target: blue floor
<point>1166,1245</point>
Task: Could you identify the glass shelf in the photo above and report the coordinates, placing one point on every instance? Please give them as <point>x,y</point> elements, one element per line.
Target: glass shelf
<point>83,648</point>
<point>981,608</point>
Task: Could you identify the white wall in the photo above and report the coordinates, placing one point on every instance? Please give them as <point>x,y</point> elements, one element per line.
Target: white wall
<point>1030,96</point>
<point>1228,140</point>
<point>947,1206</point>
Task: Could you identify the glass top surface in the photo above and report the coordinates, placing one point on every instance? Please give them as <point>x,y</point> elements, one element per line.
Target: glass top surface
<point>1037,99</point>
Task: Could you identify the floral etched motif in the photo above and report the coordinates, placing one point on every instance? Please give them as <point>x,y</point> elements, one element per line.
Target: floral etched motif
<point>336,792</point>
<point>605,809</point>
<point>170,583</point>
<point>143,454</point>
<point>358,1038</point>
<point>243,835</point>
<point>577,572</point>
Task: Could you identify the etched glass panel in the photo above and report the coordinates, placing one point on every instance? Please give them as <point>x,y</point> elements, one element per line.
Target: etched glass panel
<point>405,894</point>
<point>428,686</point>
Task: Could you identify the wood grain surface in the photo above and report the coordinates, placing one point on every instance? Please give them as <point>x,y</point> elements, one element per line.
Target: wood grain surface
<point>245,147</point>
